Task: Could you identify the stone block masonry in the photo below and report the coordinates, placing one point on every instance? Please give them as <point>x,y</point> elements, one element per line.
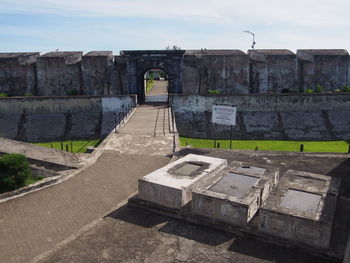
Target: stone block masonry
<point>18,75</point>
<point>38,119</point>
<point>59,74</point>
<point>301,208</point>
<point>171,186</point>
<point>236,195</point>
<point>267,117</point>
<point>190,72</point>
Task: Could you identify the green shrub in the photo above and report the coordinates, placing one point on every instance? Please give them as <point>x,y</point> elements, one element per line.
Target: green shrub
<point>319,89</point>
<point>28,95</point>
<point>308,91</point>
<point>214,91</point>
<point>14,171</point>
<point>72,92</point>
<point>3,95</point>
<point>346,89</point>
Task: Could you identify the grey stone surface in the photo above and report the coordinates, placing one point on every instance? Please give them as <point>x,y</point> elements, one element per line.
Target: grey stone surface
<point>301,208</point>
<point>261,117</point>
<point>260,121</point>
<point>303,201</point>
<point>272,71</point>
<point>189,72</point>
<point>235,195</point>
<point>18,73</point>
<point>171,186</point>
<point>97,68</point>
<point>340,123</point>
<point>347,252</point>
<point>85,125</point>
<point>304,125</point>
<point>109,121</point>
<point>135,235</point>
<point>328,68</point>
<point>58,118</point>
<point>58,73</point>
<point>226,72</point>
<point>41,127</point>
<point>9,124</point>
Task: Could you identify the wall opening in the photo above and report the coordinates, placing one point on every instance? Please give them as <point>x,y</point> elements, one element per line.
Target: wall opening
<point>155,86</point>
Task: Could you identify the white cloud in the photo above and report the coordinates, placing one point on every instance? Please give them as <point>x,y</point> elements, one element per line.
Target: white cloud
<point>277,23</point>
<point>301,12</point>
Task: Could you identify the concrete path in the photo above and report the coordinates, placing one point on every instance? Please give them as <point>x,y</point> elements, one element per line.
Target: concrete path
<point>159,92</point>
<point>147,132</point>
<point>150,119</point>
<point>35,223</point>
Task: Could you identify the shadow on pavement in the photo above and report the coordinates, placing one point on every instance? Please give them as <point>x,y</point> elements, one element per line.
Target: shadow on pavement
<point>259,249</point>
<point>201,234</point>
<point>137,216</point>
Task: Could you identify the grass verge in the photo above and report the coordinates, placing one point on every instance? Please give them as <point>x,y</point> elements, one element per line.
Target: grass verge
<point>71,146</point>
<point>15,172</point>
<point>30,180</point>
<point>290,146</point>
<point>149,85</point>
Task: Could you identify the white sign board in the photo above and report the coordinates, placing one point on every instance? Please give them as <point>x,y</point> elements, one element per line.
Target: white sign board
<point>224,114</point>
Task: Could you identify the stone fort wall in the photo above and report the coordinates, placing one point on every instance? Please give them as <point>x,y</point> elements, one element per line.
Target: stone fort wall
<point>223,71</point>
<point>40,119</point>
<point>267,116</point>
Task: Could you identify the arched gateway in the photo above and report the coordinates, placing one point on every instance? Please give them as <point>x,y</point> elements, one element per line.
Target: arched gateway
<point>139,62</point>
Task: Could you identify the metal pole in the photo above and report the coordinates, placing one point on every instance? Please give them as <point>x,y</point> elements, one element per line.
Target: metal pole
<point>247,31</point>
<point>231,137</point>
<point>214,135</point>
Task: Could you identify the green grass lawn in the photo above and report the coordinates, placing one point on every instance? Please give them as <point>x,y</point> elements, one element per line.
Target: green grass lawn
<point>78,146</point>
<point>149,85</point>
<point>32,179</point>
<point>290,146</point>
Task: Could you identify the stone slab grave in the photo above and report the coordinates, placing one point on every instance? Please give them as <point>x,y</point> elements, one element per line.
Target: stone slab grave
<point>171,186</point>
<point>301,209</point>
<point>236,195</point>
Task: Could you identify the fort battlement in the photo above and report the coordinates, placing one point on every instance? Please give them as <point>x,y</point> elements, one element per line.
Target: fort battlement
<point>190,72</point>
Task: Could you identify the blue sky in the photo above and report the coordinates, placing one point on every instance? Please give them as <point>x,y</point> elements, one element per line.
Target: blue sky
<point>86,25</point>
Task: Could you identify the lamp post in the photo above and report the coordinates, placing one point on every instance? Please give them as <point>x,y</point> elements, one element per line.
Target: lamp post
<point>247,31</point>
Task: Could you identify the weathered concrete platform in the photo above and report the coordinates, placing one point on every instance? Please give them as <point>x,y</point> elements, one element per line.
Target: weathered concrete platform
<point>50,158</point>
<point>301,208</point>
<point>172,185</point>
<point>333,165</point>
<point>236,195</point>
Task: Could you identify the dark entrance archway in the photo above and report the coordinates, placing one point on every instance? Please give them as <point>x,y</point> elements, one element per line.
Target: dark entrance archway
<point>138,62</point>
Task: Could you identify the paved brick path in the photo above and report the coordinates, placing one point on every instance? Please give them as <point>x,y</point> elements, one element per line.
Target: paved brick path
<point>35,223</point>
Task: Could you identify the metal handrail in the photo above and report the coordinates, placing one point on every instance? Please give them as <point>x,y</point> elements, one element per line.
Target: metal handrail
<point>121,116</point>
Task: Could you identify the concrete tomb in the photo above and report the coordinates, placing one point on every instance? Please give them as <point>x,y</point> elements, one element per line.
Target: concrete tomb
<point>301,208</point>
<point>236,195</point>
<point>171,186</point>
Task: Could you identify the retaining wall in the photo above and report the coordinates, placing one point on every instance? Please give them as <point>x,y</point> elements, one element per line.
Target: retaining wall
<point>38,119</point>
<point>264,116</point>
